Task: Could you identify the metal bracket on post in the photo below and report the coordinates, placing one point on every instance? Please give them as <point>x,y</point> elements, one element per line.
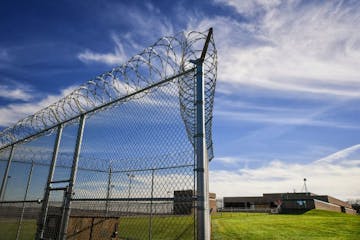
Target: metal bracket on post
<point>203,214</point>
<point>69,192</point>
<point>6,174</point>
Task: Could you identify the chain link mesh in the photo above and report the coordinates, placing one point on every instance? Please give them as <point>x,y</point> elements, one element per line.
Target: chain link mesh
<point>135,175</point>
<point>168,57</point>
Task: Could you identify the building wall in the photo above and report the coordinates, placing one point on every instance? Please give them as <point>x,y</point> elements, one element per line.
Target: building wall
<point>338,202</point>
<point>326,206</point>
<point>272,197</point>
<point>290,202</point>
<point>243,202</point>
<point>212,203</point>
<point>301,195</point>
<point>183,202</point>
<point>297,205</point>
<point>350,211</point>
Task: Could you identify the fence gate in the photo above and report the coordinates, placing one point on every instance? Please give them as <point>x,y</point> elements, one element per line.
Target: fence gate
<point>124,156</point>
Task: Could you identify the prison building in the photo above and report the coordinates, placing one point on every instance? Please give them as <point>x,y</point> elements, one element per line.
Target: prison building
<point>267,201</point>
<point>212,203</point>
<point>302,202</point>
<point>183,202</point>
<point>287,203</point>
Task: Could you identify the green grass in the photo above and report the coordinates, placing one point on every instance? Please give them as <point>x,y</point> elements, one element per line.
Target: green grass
<point>315,224</point>
<point>178,227</point>
<point>9,227</point>
<point>130,228</point>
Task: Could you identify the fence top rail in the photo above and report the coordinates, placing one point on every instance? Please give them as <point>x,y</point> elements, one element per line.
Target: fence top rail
<point>168,58</point>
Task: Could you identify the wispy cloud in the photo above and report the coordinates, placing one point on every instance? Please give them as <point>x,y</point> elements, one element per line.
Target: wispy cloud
<point>339,178</point>
<point>227,160</point>
<point>15,93</point>
<point>281,119</point>
<point>147,24</point>
<point>117,57</point>
<point>11,113</point>
<point>293,47</point>
<point>3,54</point>
<point>293,113</point>
<point>341,155</point>
<point>250,7</point>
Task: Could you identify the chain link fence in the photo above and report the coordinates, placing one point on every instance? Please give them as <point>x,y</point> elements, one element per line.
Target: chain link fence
<point>117,158</point>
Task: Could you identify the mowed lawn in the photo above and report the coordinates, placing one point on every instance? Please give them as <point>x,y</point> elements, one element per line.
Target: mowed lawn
<point>315,224</point>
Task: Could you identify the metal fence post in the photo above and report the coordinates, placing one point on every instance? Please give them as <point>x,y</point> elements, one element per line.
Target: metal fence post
<point>108,195</point>
<point>203,217</point>
<point>70,188</point>
<point>131,176</point>
<point>6,174</point>
<point>25,196</point>
<point>151,203</point>
<point>45,204</point>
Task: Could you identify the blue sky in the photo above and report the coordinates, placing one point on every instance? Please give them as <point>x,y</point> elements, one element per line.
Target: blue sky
<point>288,92</point>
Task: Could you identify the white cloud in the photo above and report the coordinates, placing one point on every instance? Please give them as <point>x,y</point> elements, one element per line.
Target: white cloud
<point>3,54</point>
<point>250,7</point>
<point>282,119</point>
<point>340,155</point>
<point>11,113</point>
<point>18,93</point>
<point>227,160</point>
<point>108,58</point>
<point>339,179</point>
<point>119,56</point>
<point>164,184</point>
<point>148,24</point>
<point>300,48</point>
<point>146,27</point>
<point>316,114</point>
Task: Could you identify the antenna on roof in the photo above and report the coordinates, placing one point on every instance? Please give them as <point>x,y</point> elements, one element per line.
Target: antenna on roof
<point>304,188</point>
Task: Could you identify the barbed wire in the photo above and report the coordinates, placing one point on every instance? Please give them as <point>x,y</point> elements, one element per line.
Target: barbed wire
<point>166,58</point>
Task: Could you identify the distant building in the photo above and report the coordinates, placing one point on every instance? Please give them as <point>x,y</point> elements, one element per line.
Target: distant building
<point>212,203</point>
<point>183,202</point>
<point>287,203</point>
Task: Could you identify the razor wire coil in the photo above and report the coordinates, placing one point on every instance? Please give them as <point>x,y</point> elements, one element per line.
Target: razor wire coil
<point>167,57</point>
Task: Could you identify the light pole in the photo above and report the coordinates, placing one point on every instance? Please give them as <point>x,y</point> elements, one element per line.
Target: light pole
<point>130,176</point>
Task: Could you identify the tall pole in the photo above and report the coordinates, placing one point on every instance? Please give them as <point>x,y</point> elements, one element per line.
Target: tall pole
<point>202,171</point>
<point>130,178</point>
<point>6,174</point>
<point>70,188</point>
<point>305,187</point>
<point>203,217</point>
<point>151,203</point>
<point>45,204</point>
<point>25,196</point>
<point>108,192</point>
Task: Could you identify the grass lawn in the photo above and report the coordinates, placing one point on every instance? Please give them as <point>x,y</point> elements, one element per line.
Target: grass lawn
<point>131,228</point>
<point>163,228</point>
<point>315,224</point>
<point>9,227</point>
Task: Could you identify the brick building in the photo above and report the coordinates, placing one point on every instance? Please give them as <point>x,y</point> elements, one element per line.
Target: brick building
<point>287,203</point>
<point>183,202</point>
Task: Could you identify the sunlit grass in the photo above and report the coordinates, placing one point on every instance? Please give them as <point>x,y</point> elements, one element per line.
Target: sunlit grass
<point>315,224</point>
